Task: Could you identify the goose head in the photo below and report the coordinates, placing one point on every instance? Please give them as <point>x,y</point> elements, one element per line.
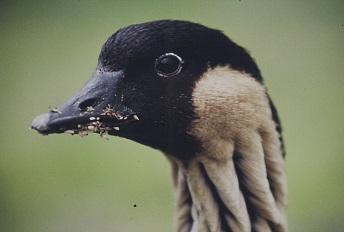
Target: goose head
<point>192,93</point>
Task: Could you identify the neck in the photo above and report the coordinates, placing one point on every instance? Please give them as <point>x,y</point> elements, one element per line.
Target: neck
<point>237,182</point>
<point>233,194</point>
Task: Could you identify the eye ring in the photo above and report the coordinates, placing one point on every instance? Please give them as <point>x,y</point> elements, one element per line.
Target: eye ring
<point>168,64</point>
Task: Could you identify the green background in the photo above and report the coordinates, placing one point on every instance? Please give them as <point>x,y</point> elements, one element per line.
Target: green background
<point>49,49</point>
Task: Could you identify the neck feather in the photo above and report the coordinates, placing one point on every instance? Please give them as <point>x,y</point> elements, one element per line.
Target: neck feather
<point>237,182</point>
<point>214,195</point>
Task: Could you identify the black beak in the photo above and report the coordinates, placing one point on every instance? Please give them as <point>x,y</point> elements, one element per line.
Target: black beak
<point>96,107</point>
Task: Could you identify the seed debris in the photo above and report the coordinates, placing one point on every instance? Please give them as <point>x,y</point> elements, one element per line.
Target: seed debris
<point>69,132</point>
<point>55,110</point>
<point>89,108</point>
<point>109,111</point>
<point>93,127</point>
<point>96,126</point>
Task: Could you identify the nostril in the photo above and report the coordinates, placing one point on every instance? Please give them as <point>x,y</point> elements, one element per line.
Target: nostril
<point>87,103</point>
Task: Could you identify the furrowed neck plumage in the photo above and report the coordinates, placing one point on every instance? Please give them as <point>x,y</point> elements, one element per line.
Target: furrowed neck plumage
<point>237,182</point>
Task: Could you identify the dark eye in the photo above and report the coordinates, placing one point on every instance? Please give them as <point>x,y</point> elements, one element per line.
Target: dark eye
<point>168,65</point>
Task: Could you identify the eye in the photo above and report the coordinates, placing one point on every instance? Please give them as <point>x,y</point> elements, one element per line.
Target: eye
<point>168,65</point>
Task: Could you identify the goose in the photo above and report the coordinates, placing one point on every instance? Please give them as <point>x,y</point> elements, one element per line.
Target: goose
<point>192,93</point>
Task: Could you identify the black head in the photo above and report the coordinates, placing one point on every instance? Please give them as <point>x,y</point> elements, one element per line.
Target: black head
<point>143,83</point>
<point>200,46</point>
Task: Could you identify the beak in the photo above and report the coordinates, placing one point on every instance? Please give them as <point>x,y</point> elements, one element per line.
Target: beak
<point>96,107</point>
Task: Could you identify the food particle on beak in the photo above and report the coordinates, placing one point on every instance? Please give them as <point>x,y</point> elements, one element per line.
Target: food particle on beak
<point>89,108</point>
<point>71,132</point>
<point>92,128</point>
<point>55,110</point>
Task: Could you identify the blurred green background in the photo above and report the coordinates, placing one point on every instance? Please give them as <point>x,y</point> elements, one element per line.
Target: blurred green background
<point>49,49</point>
